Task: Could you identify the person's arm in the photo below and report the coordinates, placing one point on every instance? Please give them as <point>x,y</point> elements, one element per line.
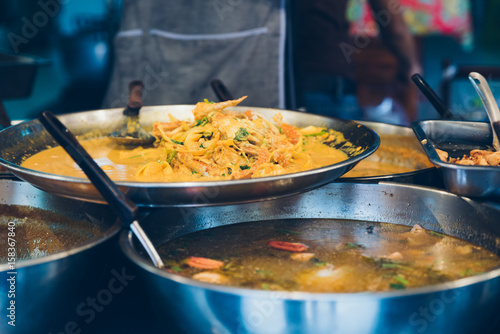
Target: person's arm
<point>396,35</point>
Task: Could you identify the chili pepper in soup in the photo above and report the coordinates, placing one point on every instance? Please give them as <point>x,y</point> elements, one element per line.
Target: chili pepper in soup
<point>324,256</point>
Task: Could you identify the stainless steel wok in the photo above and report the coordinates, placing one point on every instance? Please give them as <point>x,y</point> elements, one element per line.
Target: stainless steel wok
<point>29,138</point>
<point>47,290</point>
<point>468,305</point>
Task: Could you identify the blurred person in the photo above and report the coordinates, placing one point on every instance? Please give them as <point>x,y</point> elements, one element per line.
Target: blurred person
<point>325,52</point>
<point>178,47</point>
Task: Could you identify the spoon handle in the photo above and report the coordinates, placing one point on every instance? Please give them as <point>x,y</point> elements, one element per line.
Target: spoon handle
<point>123,207</point>
<point>147,244</point>
<point>221,90</point>
<point>490,104</point>
<point>121,204</point>
<point>431,95</point>
<point>134,104</point>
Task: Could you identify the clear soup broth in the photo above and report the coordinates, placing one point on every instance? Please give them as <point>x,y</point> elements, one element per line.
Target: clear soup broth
<point>324,256</point>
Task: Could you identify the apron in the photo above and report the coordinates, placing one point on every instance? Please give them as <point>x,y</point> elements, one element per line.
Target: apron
<point>178,47</point>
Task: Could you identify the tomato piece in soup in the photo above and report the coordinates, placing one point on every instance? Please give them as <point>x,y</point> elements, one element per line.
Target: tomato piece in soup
<point>203,263</point>
<point>288,246</point>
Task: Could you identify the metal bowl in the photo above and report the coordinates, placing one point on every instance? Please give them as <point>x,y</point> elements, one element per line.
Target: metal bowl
<point>26,139</point>
<point>459,138</point>
<point>45,290</point>
<point>468,305</point>
<point>422,175</point>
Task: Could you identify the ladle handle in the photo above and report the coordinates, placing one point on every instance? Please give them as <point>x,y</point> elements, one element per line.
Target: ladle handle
<point>123,207</point>
<point>121,204</point>
<point>134,103</point>
<point>431,95</point>
<point>4,117</point>
<point>490,104</point>
<point>221,90</point>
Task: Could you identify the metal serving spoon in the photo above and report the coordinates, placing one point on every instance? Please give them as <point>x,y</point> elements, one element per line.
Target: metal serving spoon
<point>131,133</point>
<point>490,104</point>
<point>121,205</point>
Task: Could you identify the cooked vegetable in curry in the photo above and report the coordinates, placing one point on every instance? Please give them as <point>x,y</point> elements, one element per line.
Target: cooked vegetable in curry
<point>218,145</point>
<point>324,256</point>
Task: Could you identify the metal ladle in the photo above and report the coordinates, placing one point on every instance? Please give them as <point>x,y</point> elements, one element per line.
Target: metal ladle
<point>121,205</point>
<point>490,104</point>
<point>130,132</point>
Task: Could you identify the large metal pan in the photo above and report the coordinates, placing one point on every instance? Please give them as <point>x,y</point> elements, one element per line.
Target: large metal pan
<point>28,138</point>
<point>45,290</point>
<point>424,172</point>
<point>468,305</point>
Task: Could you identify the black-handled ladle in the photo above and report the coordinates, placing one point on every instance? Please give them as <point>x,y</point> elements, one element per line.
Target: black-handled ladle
<point>221,90</point>
<point>130,132</point>
<point>431,95</point>
<point>121,204</point>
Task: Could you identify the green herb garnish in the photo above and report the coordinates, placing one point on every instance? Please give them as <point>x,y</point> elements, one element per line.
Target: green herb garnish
<point>135,156</point>
<point>317,134</point>
<point>244,167</point>
<point>171,156</point>
<point>177,269</point>
<point>436,234</point>
<point>207,135</point>
<point>241,134</point>
<point>401,279</point>
<point>469,272</point>
<point>396,265</point>
<point>351,245</point>
<point>201,122</point>
<point>228,266</point>
<point>263,272</point>
<point>206,101</point>
<point>177,142</point>
<point>397,286</point>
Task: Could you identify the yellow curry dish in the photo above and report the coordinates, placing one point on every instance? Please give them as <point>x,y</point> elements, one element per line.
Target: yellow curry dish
<point>218,144</point>
<point>397,154</point>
